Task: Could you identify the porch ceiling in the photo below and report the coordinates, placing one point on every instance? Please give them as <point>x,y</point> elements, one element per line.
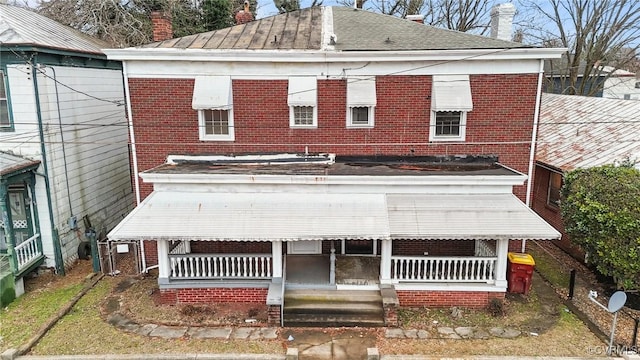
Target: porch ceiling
<point>255,217</point>
<point>173,215</point>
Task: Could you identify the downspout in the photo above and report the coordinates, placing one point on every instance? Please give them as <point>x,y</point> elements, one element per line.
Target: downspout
<point>134,155</point>
<point>534,135</point>
<point>57,250</point>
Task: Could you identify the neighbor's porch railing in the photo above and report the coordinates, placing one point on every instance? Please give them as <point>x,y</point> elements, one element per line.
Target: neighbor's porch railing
<point>220,266</point>
<point>443,269</point>
<point>27,251</point>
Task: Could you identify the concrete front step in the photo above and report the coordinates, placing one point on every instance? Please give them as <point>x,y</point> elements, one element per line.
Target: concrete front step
<point>333,321</point>
<point>333,295</point>
<point>318,308</point>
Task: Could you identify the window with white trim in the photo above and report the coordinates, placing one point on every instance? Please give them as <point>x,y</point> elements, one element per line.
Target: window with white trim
<point>361,101</point>
<point>302,101</point>
<point>450,102</point>
<point>5,119</point>
<point>213,99</point>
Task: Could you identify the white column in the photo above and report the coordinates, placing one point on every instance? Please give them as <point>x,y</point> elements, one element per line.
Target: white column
<point>164,268</point>
<point>187,247</point>
<point>276,257</point>
<point>385,261</point>
<point>502,248</point>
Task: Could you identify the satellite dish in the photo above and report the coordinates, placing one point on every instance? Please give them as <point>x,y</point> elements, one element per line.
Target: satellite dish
<point>617,300</point>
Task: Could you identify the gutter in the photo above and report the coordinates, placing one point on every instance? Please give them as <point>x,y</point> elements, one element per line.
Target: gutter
<point>134,155</point>
<point>55,239</point>
<point>534,135</point>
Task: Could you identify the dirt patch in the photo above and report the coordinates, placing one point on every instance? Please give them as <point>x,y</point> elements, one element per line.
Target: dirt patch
<point>43,279</point>
<point>138,298</point>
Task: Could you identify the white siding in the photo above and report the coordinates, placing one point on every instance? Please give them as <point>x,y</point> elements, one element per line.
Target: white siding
<point>88,108</point>
<point>618,87</point>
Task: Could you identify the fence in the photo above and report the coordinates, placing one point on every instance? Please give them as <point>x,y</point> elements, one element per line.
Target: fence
<point>119,257</point>
<point>557,268</point>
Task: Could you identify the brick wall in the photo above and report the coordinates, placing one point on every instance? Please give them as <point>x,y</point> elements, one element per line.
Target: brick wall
<point>434,247</point>
<point>467,299</point>
<point>551,213</point>
<point>503,111</point>
<point>213,295</point>
<point>232,247</point>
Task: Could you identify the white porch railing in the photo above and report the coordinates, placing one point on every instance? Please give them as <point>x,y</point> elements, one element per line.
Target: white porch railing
<point>180,248</point>
<point>27,251</point>
<point>443,269</point>
<point>220,266</point>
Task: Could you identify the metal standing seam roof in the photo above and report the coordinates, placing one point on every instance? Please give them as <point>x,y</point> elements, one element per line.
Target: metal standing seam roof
<point>255,217</point>
<point>582,132</point>
<point>310,216</point>
<point>23,27</point>
<point>464,216</point>
<point>354,30</point>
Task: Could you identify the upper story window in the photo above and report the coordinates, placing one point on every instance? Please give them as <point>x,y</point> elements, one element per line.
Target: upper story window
<point>361,101</point>
<point>302,100</point>
<point>5,120</point>
<point>450,102</point>
<point>555,183</point>
<point>213,98</point>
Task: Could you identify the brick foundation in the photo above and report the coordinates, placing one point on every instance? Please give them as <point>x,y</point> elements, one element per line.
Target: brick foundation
<point>431,298</point>
<point>213,295</point>
<point>273,315</point>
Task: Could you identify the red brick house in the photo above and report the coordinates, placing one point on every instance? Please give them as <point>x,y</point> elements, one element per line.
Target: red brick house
<point>579,132</point>
<point>404,157</point>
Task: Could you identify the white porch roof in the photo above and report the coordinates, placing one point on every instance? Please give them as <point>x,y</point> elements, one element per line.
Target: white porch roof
<point>171,215</point>
<point>255,217</point>
<point>464,216</point>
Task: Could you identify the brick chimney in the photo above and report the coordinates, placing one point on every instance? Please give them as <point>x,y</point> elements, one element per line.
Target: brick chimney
<point>244,16</point>
<point>416,18</point>
<point>162,28</point>
<point>501,21</point>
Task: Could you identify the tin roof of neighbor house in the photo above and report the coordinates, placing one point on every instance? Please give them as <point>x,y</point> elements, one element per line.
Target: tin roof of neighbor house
<point>581,132</point>
<point>23,27</point>
<point>334,28</point>
<point>10,163</point>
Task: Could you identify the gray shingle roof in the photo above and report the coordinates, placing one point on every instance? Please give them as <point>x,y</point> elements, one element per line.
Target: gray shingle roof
<point>355,30</point>
<point>23,27</point>
<point>364,30</point>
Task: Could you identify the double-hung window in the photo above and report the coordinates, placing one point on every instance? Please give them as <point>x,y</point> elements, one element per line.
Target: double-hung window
<point>302,100</point>
<point>361,101</point>
<point>5,120</point>
<point>213,99</point>
<point>450,102</point>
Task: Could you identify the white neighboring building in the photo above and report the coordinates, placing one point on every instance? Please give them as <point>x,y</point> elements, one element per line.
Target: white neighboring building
<point>623,85</point>
<point>63,141</point>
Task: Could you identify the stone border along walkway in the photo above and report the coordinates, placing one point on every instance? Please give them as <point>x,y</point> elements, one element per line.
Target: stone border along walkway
<point>120,321</point>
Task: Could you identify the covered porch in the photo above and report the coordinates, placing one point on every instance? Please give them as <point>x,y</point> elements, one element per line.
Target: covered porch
<point>412,241</point>
<point>20,239</point>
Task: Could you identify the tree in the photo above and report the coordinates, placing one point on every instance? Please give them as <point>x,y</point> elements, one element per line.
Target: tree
<point>601,37</point>
<point>217,14</point>
<point>601,213</point>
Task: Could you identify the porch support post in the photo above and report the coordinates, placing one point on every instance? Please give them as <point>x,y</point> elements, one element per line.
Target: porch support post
<point>502,248</point>
<point>164,267</point>
<point>187,247</point>
<point>385,261</point>
<point>276,256</point>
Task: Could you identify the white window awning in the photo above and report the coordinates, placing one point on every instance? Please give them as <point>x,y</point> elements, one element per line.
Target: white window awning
<point>255,217</point>
<point>465,216</point>
<point>303,91</point>
<point>176,215</point>
<point>212,93</point>
<point>451,93</point>
<point>361,91</point>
